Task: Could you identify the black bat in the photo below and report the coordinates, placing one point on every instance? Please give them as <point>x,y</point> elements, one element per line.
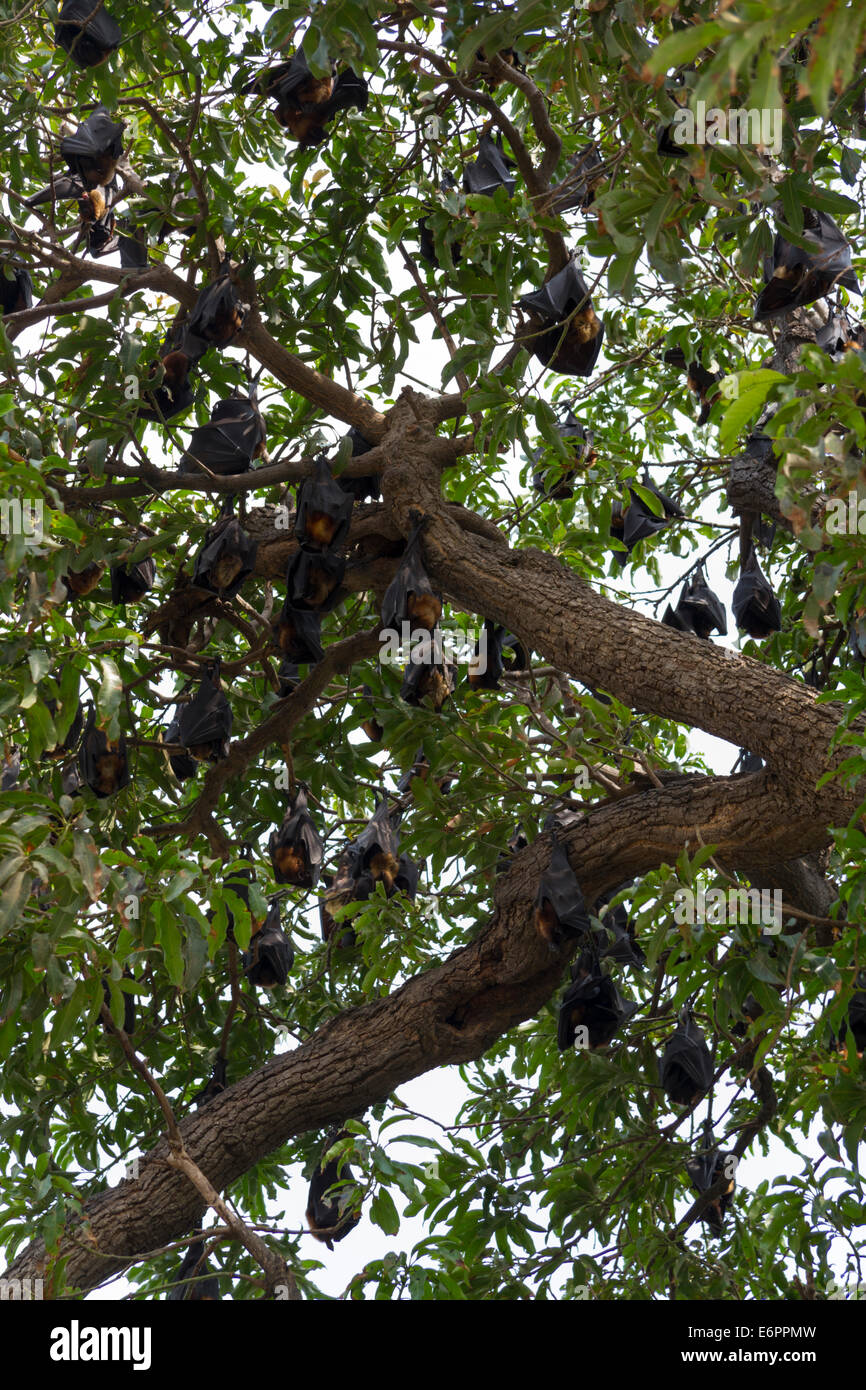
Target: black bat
<point>427,675</point>
<point>227,557</point>
<point>508,55</point>
<point>183,765</point>
<point>557,480</point>
<point>376,850</point>
<point>427,242</point>
<point>304,102</point>
<point>102,761</point>
<point>410,597</point>
<point>216,1084</point>
<point>75,728</point>
<point>491,170</point>
<point>667,146</point>
<point>16,289</point>
<point>86,32</point>
<point>495,661</point>
<point>855,1024</point>
<point>93,150</point>
<point>839,335</point>
<point>421,768</point>
<point>313,580</point>
<point>194,1284</point>
<point>700,381</point>
<point>566,333</point>
<point>296,849</point>
<point>133,248</point>
<point>239,884</point>
<point>756,609</point>
<point>360,488</point>
<point>516,841</point>
<point>591,1001</point>
<point>205,724</point>
<point>640,521</point>
<point>586,168</point>
<point>623,947</point>
<point>560,909</point>
<point>340,890</point>
<point>686,1066</point>
<point>324,510</point>
<point>704,1169</point>
<point>128,1004</point>
<point>333,1219</point>
<point>699,610</point>
<point>218,314</point>
<point>129,583</point>
<point>857,640</point>
<point>271,955</point>
<point>297,633</point>
<point>795,277</point>
<point>749,762</point>
<point>227,444</point>
<point>180,352</point>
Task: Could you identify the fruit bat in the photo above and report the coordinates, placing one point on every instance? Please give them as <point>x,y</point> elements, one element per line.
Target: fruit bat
<point>427,675</point>
<point>340,890</point>
<point>639,520</point>
<point>296,849</point>
<point>227,444</point>
<point>560,910</point>
<point>11,771</point>
<point>795,277</point>
<point>289,677</point>
<point>128,1004</point>
<point>324,509</point>
<point>103,762</point>
<point>410,596</point>
<point>750,762</point>
<point>218,314</point>
<point>491,170</point>
<point>667,146</point>
<point>129,583</point>
<point>313,580</point>
<point>179,353</point>
<point>360,488</point>
<point>580,441</point>
<point>297,632</point>
<point>495,662</point>
<point>839,335</point>
<point>508,55</point>
<point>83,582</point>
<point>585,172</point>
<point>421,768</point>
<point>16,291</point>
<point>857,640</point>
<point>216,1084</point>
<point>227,557</point>
<point>700,381</point>
<point>75,728</point>
<point>86,32</point>
<point>271,955</point>
<point>239,884</point>
<point>304,102</point>
<point>193,1286</point>
<point>566,333</point>
<point>623,948</point>
<point>371,726</point>
<point>699,610</point>
<point>133,249</point>
<point>427,243</point>
<point>591,1001</point>
<point>705,1168</point>
<point>93,150</point>
<point>686,1066</point>
<point>183,765</point>
<point>376,850</point>
<point>205,724</point>
<point>333,1219</point>
<point>756,609</point>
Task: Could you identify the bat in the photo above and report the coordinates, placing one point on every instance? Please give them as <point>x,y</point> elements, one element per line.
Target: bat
<point>508,55</point>
<point>239,884</point>
<point>497,639</point>
<point>11,771</point>
<point>205,724</point>
<point>795,277</point>
<point>216,1085</point>
<point>129,583</point>
<point>83,582</point>
<point>427,675</point>
<point>271,955</point>
<point>591,1001</point>
<point>340,890</point>
<point>313,580</point>
<point>699,610</point>
<point>857,641</point>
<point>491,170</point>
<point>421,768</point>
<point>324,509</point>
<point>297,633</point>
<point>288,676</point>
<point>376,850</point>
<point>128,1004</point>
<point>360,488</point>
<point>296,849</point>
<point>756,609</point>
<point>227,444</point>
<point>686,1066</point>
<point>667,146</point>
<point>180,352</point>
<point>92,152</point>
<point>16,289</point>
<point>640,521</point>
<point>839,335</point>
<point>371,726</point>
<point>102,762</point>
<point>305,103</point>
<point>133,248</point>
<point>193,1286</point>
<point>560,909</point>
<point>427,243</point>
<point>750,762</point>
<point>580,440</point>
<point>410,596</point>
<point>218,314</point>
<point>75,728</point>
<point>183,765</point>
<point>227,557</point>
<point>331,1220</point>
<point>583,178</point>
<point>516,842</point>
<point>705,1168</point>
<point>64,189</point>
<point>623,948</point>
<point>566,333</point>
<point>700,381</point>
<point>86,32</point>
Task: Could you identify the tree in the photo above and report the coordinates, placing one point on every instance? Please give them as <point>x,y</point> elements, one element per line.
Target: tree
<point>129,896</point>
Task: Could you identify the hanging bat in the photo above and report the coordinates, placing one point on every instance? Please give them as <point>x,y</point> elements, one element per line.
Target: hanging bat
<point>83,582</point>
<point>360,488</point>
<point>305,103</point>
<point>421,768</point>
<point>271,955</point>
<point>560,910</point>
<point>839,335</point>
<point>491,170</point>
<point>749,762</point>
<point>686,1066</point>
<point>218,314</point>
<point>428,676</point>
<point>705,1168</point>
<point>227,444</point>
<point>102,762</point>
<point>700,381</point>
<point>296,849</point>
<point>86,32</point>
<point>16,289</point>
<point>516,842</point>
<point>406,880</point>
<point>583,178</point>
<point>227,557</point>
<point>129,583</point>
<point>857,640</point>
<point>333,1219</point>
<point>623,948</point>
<point>667,146</point>
<point>324,509</point>
<point>756,609</point>
<point>339,892</point>
<point>313,580</point>
<point>75,728</point>
<point>194,1283</point>
<point>239,884</point>
<point>205,724</point>
<point>94,149</point>
<point>640,521</point>
<point>216,1085</point>
<point>566,333</point>
<point>128,1004</point>
<point>133,248</point>
<point>180,352</point>
<point>427,243</point>
<point>795,277</point>
<point>410,596</point>
<point>699,610</point>
<point>508,55</point>
<point>376,850</point>
<point>182,764</point>
<point>581,441</point>
<point>495,661</point>
<point>592,1001</point>
<point>297,633</point>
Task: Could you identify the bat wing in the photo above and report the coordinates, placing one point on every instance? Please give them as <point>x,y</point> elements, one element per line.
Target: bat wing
<point>703,607</point>
<point>299,833</point>
<point>686,1051</point>
<point>11,771</point>
<point>133,250</point>
<point>218,314</point>
<point>207,718</point>
<point>562,293</point>
<point>213,446</point>
<point>228,554</point>
<point>410,595</point>
<point>182,765</point>
<point>756,609</point>
<point>379,837</point>
<point>96,137</point>
<point>313,580</point>
<point>132,582</point>
<point>349,90</point>
<point>283,80</point>
<point>67,189</point>
<point>95,752</point>
<point>297,632</point>
<point>86,33</point>
<point>324,509</point>
<point>490,170</point>
<point>560,888</point>
<point>271,955</point>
